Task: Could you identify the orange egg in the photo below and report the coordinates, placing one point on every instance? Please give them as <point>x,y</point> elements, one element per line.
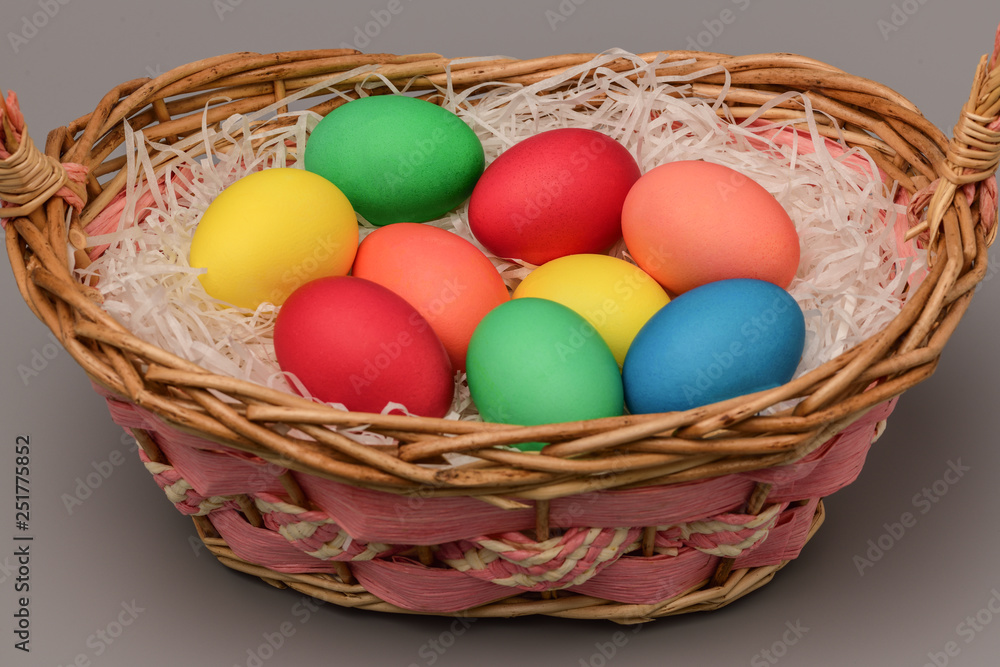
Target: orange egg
<point>450,282</point>
<point>689,222</point>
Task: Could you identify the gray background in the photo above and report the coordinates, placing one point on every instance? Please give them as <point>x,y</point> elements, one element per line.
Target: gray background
<point>126,545</point>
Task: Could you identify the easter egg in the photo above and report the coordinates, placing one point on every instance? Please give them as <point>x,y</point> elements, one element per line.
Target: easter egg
<point>688,223</point>
<point>716,341</point>
<point>614,296</point>
<point>354,342</point>
<point>534,361</point>
<point>556,193</point>
<point>270,232</point>
<point>450,282</point>
<point>397,158</point>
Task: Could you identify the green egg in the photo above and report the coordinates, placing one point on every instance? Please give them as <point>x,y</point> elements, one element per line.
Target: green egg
<point>397,158</point>
<point>533,361</point>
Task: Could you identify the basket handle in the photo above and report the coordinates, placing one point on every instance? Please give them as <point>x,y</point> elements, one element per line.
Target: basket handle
<point>28,177</point>
<point>973,154</point>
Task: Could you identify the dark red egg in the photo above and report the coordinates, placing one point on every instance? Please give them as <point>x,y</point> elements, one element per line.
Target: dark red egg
<point>352,341</point>
<point>556,193</point>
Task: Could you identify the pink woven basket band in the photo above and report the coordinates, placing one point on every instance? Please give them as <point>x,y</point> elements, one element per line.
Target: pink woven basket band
<point>483,551</point>
<point>212,469</point>
<point>407,583</point>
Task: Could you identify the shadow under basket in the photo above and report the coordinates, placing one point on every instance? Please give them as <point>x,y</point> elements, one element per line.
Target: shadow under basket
<point>628,518</point>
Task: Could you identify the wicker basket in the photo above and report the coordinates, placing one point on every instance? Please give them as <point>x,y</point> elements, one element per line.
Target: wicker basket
<point>627,518</point>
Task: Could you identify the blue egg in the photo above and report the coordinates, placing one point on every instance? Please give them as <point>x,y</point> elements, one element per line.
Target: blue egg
<point>717,341</point>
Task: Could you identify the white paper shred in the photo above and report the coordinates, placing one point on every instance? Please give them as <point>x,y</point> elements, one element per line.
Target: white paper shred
<point>849,284</point>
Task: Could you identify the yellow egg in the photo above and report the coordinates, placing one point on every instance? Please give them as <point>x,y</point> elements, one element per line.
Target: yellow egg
<point>616,297</point>
<point>271,232</point>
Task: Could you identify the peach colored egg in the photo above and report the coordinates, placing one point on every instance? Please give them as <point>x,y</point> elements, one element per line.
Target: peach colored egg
<point>450,282</point>
<point>689,222</point>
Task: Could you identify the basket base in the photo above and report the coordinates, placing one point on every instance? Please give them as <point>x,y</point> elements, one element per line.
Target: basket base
<point>342,590</point>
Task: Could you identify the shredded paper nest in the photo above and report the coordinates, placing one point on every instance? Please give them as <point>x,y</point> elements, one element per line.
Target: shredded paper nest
<point>852,277</point>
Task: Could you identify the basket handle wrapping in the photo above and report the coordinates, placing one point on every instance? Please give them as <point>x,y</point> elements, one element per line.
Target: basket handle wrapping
<point>29,178</point>
<point>973,154</point>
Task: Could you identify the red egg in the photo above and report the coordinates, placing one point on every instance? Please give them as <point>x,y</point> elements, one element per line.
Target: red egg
<point>351,341</point>
<point>447,279</point>
<point>553,194</point>
<point>688,223</point>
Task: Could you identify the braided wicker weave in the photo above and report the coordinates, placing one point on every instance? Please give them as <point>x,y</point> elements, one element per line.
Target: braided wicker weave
<point>692,509</point>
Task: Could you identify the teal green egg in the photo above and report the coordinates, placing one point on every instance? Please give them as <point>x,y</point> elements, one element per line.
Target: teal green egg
<point>396,158</point>
<point>533,361</point>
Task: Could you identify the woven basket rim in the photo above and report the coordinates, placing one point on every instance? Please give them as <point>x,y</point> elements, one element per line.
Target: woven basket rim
<point>620,452</point>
